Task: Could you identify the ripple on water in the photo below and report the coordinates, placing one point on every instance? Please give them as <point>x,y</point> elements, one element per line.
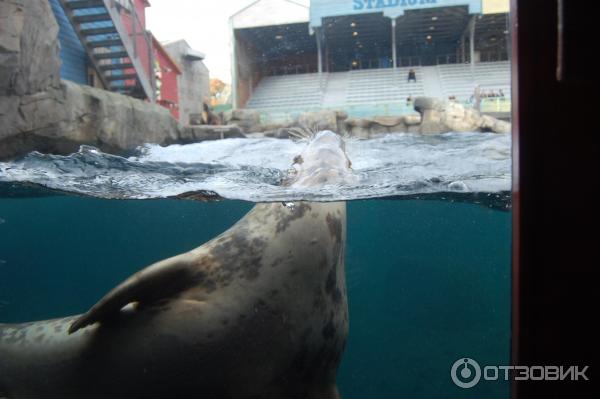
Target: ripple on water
<point>395,165</point>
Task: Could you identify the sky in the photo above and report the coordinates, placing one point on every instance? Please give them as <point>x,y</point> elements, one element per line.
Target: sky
<point>203,24</point>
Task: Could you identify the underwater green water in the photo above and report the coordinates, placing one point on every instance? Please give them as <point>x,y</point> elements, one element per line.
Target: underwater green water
<point>428,281</point>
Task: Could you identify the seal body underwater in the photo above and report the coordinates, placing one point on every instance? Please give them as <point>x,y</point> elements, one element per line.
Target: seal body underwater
<point>257,312</point>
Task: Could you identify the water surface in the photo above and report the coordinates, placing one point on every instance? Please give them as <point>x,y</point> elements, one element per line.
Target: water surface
<point>253,169</point>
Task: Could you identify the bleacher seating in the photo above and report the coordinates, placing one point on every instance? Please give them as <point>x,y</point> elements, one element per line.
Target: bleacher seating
<point>493,76</point>
<point>373,86</point>
<point>289,91</point>
<point>457,79</point>
<point>382,85</point>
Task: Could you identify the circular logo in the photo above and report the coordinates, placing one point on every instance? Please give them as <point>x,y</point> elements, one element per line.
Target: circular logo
<point>465,373</point>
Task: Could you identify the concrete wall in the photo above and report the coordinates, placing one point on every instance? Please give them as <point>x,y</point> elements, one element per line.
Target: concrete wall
<point>193,83</point>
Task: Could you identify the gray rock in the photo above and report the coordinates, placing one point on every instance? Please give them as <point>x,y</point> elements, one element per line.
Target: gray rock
<point>367,128</point>
<point>193,134</point>
<point>358,128</point>
<point>245,114</point>
<point>414,129</point>
<point>9,115</point>
<point>421,104</point>
<point>357,122</point>
<point>257,135</point>
<point>59,120</point>
<point>412,119</point>
<point>441,117</point>
<point>388,124</point>
<point>489,123</point>
<point>388,121</point>
<point>322,120</point>
<point>273,127</point>
<point>247,119</point>
<point>280,133</point>
<point>29,49</point>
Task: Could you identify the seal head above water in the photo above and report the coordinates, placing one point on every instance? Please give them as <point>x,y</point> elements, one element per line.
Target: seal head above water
<point>259,311</point>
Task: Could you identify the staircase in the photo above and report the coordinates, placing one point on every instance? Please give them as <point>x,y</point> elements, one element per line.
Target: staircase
<point>122,58</point>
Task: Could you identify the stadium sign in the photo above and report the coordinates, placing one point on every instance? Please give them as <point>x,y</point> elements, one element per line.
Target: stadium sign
<point>380,4</point>
<point>320,9</point>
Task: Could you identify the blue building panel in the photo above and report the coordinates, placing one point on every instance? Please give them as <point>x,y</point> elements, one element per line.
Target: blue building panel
<point>73,57</point>
<point>320,9</point>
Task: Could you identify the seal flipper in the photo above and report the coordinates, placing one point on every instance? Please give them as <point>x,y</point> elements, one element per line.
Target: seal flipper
<point>157,281</point>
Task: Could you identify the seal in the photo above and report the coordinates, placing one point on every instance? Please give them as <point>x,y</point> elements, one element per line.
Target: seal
<point>259,311</point>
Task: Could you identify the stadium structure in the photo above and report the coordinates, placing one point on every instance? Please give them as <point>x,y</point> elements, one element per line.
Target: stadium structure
<point>355,55</point>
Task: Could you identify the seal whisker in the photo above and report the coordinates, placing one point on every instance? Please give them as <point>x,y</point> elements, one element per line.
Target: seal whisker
<point>301,133</point>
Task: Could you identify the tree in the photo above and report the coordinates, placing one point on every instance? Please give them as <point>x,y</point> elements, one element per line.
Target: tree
<point>218,90</point>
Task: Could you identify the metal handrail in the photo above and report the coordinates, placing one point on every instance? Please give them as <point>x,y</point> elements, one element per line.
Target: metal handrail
<point>149,45</point>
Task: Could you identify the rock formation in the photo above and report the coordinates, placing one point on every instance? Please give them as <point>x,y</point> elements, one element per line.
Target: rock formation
<point>248,120</point>
<point>29,50</point>
<point>40,112</point>
<point>322,120</point>
<point>432,116</point>
<point>194,134</point>
<point>448,116</point>
<point>366,128</point>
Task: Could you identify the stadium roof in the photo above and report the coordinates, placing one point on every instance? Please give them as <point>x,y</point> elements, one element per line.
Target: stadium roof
<point>280,40</point>
<point>414,27</point>
<point>270,12</point>
<point>428,31</point>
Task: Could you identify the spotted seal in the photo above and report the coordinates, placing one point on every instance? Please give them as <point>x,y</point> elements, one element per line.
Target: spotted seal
<point>259,311</point>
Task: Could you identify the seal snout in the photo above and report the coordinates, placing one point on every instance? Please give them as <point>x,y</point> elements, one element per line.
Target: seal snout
<point>323,161</point>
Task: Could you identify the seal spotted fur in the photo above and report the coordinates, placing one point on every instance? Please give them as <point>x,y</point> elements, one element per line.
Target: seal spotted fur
<point>259,311</point>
